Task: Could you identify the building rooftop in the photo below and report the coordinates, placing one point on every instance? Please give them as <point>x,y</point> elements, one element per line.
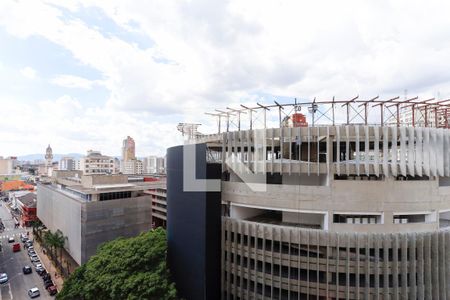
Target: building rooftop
<point>29,200</point>
<point>15,185</point>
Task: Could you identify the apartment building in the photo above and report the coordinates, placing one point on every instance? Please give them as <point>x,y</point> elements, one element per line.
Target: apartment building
<point>96,163</point>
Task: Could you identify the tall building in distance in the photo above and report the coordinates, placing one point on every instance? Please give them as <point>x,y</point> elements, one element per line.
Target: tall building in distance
<point>310,210</point>
<point>128,149</point>
<point>154,165</point>
<point>129,163</point>
<point>67,164</point>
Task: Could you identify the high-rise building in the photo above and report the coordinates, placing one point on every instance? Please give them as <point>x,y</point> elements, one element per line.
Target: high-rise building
<point>129,163</point>
<point>128,149</point>
<point>311,212</point>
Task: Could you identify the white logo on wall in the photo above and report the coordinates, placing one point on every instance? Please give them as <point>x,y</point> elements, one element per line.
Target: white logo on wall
<point>248,167</point>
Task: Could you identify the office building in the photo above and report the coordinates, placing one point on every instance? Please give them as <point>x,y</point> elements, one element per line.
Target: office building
<point>308,211</point>
<point>93,209</point>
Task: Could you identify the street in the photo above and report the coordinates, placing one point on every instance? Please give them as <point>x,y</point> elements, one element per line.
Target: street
<point>12,263</point>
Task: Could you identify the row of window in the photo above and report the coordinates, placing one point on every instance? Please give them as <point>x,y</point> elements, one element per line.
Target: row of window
<point>114,195</point>
<point>342,279</point>
<point>295,249</point>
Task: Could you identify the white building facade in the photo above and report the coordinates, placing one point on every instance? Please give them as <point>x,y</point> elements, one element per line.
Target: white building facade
<point>96,163</point>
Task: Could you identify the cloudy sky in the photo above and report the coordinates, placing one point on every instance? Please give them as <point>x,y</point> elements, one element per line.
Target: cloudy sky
<point>85,74</point>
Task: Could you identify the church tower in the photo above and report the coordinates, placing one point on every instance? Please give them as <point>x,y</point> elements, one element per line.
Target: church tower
<point>49,160</point>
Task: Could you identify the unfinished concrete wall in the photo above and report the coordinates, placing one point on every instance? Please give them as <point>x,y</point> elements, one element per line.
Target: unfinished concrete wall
<point>262,261</point>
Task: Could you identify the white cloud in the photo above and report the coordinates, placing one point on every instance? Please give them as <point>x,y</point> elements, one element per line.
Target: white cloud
<point>221,53</point>
<point>71,127</point>
<point>28,72</point>
<point>71,81</point>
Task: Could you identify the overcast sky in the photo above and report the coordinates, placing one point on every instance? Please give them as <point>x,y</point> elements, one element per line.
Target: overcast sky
<point>85,74</point>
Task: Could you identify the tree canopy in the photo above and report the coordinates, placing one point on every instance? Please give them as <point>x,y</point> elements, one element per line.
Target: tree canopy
<point>133,268</point>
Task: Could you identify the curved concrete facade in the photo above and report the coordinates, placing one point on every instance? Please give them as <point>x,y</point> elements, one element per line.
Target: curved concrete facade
<point>346,212</point>
<point>262,261</point>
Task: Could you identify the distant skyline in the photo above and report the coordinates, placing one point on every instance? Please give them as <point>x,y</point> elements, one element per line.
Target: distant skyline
<point>85,74</point>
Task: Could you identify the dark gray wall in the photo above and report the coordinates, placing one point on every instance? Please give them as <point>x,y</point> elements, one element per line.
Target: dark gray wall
<point>193,228</point>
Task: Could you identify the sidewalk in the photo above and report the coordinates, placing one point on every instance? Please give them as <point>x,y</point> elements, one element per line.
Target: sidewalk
<point>58,281</point>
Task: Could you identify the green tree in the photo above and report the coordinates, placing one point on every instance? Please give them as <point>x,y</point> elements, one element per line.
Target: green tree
<point>59,241</point>
<point>50,242</point>
<point>36,226</point>
<point>133,268</point>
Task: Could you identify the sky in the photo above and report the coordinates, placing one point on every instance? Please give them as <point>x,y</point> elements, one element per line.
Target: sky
<point>85,74</point>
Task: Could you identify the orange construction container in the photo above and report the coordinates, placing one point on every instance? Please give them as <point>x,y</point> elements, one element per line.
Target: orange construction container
<point>299,120</point>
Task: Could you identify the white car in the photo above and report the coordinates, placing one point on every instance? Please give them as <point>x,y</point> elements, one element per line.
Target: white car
<point>34,292</point>
<point>3,278</point>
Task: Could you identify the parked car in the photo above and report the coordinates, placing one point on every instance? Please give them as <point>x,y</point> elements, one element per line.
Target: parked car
<point>34,292</point>
<point>27,270</point>
<point>24,239</point>
<point>16,247</point>
<point>47,277</point>
<point>28,243</point>
<point>52,290</point>
<point>48,284</point>
<point>11,240</point>
<point>3,278</point>
<point>41,271</point>
<point>35,259</point>
<point>32,252</point>
<point>29,248</point>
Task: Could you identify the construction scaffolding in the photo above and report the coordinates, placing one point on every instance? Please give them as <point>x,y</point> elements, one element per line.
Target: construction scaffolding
<point>375,111</point>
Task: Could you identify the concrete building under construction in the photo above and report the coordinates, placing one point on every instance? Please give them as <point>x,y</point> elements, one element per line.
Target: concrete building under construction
<point>333,203</point>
